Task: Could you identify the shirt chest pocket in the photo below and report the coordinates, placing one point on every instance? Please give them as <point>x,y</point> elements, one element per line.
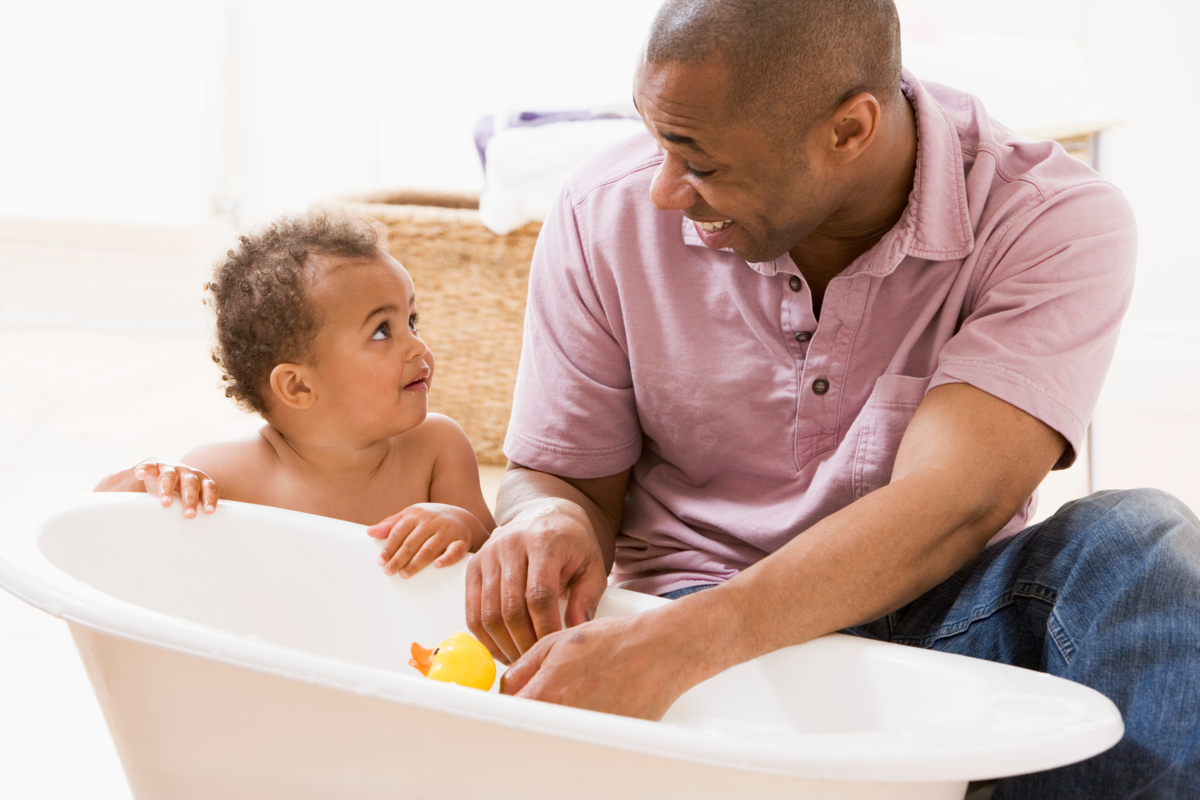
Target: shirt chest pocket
<point>881,426</point>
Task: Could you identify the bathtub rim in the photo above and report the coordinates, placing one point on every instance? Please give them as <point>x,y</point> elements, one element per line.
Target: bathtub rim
<point>924,754</point>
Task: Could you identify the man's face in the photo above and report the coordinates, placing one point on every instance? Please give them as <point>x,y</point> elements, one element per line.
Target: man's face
<point>746,187</point>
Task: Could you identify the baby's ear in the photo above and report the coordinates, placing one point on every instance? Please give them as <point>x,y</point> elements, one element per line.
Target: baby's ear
<point>290,386</point>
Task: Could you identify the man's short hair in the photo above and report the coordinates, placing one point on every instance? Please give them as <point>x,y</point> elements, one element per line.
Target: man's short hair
<point>792,61</point>
<point>258,293</point>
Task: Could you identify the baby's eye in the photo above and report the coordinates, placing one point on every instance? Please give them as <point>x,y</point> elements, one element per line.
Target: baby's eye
<point>382,332</point>
<point>413,319</point>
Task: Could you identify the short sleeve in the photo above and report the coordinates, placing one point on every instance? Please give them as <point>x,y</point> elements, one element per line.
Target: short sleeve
<point>574,412</point>
<point>1048,302</point>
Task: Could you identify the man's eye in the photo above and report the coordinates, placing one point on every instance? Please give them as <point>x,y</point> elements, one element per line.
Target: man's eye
<point>413,319</point>
<point>699,173</point>
<point>382,332</point>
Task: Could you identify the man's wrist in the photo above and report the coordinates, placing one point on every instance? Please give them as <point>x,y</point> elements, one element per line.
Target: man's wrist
<point>706,633</point>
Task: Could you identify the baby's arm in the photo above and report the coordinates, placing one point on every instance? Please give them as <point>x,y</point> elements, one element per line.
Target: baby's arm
<point>456,518</point>
<point>194,478</point>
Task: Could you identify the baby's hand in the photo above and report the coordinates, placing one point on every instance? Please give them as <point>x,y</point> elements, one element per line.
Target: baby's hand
<point>422,534</point>
<point>165,478</point>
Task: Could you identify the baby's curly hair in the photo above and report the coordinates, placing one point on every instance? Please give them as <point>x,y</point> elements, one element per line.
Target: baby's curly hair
<point>263,316</point>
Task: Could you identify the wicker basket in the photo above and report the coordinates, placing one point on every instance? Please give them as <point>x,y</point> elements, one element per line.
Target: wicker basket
<point>471,287</point>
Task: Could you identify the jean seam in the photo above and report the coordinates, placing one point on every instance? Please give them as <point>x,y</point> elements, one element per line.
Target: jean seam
<point>1062,639</point>
<point>1024,590</point>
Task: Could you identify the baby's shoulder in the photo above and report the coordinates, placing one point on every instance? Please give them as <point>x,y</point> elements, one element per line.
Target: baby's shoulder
<point>237,465</point>
<point>439,426</point>
<point>434,437</point>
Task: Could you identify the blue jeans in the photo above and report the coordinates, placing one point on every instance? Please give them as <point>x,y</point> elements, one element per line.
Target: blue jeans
<point>1105,593</point>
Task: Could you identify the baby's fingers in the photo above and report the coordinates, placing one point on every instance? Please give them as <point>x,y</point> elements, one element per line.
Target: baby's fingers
<point>189,493</point>
<point>433,547</point>
<point>456,550</point>
<point>147,473</point>
<point>208,494</point>
<point>395,541</point>
<point>413,543</point>
<point>168,478</point>
<point>381,529</point>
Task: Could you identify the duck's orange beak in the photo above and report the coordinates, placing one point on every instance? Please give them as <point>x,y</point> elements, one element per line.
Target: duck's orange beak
<point>420,659</point>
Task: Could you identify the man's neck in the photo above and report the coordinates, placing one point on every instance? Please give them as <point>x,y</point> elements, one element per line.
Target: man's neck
<point>871,210</point>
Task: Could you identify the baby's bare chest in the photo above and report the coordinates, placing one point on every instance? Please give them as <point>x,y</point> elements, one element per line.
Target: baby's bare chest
<point>365,502</point>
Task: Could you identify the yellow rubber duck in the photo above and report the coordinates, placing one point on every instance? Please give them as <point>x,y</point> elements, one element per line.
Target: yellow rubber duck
<point>460,659</point>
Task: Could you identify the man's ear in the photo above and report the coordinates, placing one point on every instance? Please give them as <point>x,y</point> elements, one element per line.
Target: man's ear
<point>854,124</point>
<point>293,386</point>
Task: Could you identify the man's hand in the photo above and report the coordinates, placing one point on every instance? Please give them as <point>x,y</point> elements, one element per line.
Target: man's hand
<point>605,665</point>
<point>515,581</point>
<point>164,479</point>
<point>635,666</point>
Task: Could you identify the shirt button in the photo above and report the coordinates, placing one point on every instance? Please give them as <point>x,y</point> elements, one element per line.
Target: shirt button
<point>795,283</point>
<point>803,336</point>
<point>820,386</point>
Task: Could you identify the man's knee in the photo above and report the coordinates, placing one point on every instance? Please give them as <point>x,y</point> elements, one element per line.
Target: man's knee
<point>1125,523</point>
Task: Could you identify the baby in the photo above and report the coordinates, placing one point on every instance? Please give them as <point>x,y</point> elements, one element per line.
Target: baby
<point>317,333</point>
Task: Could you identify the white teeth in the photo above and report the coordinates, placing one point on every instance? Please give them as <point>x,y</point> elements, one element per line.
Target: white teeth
<point>714,226</point>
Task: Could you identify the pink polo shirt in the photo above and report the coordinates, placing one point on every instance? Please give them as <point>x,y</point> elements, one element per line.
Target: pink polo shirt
<point>744,419</point>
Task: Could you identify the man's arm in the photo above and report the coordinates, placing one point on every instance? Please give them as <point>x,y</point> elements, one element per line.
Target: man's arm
<point>556,535</point>
<point>966,464</point>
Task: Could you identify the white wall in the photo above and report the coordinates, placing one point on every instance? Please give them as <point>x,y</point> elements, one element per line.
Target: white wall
<point>145,113</point>
<point>103,110</point>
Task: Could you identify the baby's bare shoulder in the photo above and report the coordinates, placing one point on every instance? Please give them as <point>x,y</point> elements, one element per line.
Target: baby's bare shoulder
<point>435,434</point>
<point>239,466</point>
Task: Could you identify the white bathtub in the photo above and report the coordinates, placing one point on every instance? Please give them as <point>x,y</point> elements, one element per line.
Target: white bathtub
<point>262,654</point>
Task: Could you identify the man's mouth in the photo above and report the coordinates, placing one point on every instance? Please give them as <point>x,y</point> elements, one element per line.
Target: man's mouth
<point>713,226</point>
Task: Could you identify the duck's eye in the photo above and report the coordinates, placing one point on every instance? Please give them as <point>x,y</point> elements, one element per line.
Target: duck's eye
<point>382,332</point>
<point>413,319</point>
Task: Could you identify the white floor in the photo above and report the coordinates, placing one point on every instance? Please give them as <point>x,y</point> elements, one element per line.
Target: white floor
<point>103,361</point>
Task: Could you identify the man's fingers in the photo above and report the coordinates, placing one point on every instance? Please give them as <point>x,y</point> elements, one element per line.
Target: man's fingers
<point>583,594</point>
<point>491,615</point>
<point>516,677</point>
<point>474,599</point>
<point>541,597</point>
<point>514,605</point>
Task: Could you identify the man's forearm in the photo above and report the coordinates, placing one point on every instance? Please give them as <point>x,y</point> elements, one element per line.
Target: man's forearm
<point>968,463</point>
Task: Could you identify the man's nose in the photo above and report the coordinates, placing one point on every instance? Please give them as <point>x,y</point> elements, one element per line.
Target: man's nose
<point>669,190</point>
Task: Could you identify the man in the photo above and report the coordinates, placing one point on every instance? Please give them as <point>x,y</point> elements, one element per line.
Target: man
<point>796,358</point>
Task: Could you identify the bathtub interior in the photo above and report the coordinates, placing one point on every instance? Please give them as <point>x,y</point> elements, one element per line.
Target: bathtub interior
<point>295,580</point>
<point>312,586</point>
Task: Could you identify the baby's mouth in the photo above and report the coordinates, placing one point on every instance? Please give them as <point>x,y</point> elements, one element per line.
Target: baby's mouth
<point>419,382</point>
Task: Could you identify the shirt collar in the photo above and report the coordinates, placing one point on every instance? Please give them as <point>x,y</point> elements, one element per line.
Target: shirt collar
<point>936,224</point>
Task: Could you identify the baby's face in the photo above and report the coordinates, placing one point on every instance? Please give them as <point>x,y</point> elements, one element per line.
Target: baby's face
<point>371,369</point>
